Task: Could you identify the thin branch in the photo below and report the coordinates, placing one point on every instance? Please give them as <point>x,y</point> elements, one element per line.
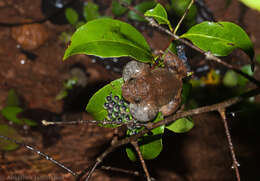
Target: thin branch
<point>47,157</point>
<point>137,149</point>
<point>183,16</point>
<point>235,164</point>
<point>47,123</point>
<point>109,168</point>
<point>134,173</point>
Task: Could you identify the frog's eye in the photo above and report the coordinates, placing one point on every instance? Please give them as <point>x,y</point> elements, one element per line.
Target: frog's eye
<point>143,112</point>
<point>133,69</point>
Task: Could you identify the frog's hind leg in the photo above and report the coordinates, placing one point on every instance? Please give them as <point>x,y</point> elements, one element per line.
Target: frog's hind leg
<point>172,106</point>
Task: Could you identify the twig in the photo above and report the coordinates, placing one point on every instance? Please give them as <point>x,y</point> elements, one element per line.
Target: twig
<point>235,164</point>
<point>183,16</point>
<point>137,149</point>
<point>47,123</point>
<point>47,157</point>
<point>171,119</point>
<point>109,168</point>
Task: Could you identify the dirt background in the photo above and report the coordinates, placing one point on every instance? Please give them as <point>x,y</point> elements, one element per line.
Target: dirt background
<point>38,76</point>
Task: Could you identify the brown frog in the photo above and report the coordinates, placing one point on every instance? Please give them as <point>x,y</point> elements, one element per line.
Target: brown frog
<point>151,90</point>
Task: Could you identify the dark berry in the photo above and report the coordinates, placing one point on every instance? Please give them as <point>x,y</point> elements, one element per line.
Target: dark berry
<point>116,98</point>
<point>117,107</point>
<point>121,102</point>
<point>106,105</point>
<point>124,108</point>
<point>113,102</point>
<point>110,115</point>
<point>110,110</point>
<point>150,133</point>
<point>111,105</point>
<point>120,119</point>
<point>116,114</point>
<point>109,98</point>
<point>127,117</point>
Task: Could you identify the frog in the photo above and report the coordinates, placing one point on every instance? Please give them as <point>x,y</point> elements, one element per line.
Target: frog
<point>150,89</point>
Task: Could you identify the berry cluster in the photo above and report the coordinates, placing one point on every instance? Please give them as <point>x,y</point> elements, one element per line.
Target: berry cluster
<point>118,109</point>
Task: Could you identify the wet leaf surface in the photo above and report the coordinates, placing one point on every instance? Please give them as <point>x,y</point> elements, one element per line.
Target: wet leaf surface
<point>220,38</point>
<point>109,38</point>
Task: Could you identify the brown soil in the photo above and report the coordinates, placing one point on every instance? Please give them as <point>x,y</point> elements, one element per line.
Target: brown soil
<point>202,154</point>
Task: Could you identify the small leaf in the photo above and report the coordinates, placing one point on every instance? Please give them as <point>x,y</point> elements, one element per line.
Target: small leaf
<point>181,125</point>
<point>173,47</point>
<point>118,9</point>
<point>241,79</point>
<point>12,98</point>
<point>258,58</point>
<point>29,122</point>
<point>220,38</point>
<point>150,145</point>
<point>10,132</point>
<point>96,104</point>
<point>159,14</point>
<point>10,113</point>
<point>254,4</point>
<point>230,79</point>
<point>109,38</point>
<point>186,88</point>
<point>142,7</point>
<point>90,11</point>
<point>72,16</point>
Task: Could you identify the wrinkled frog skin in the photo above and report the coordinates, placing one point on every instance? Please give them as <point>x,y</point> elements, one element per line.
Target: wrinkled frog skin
<point>152,90</point>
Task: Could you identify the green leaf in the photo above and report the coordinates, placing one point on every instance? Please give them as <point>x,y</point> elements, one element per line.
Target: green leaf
<point>258,58</point>
<point>10,113</point>
<point>12,98</point>
<point>90,11</point>
<point>230,79</point>
<point>150,145</point>
<point>142,8</point>
<point>220,38</point>
<point>159,14</point>
<point>118,9</point>
<point>109,38</point>
<point>29,122</point>
<point>96,104</point>
<point>9,132</point>
<point>186,88</point>
<point>241,79</point>
<point>254,4</point>
<point>181,125</point>
<point>72,16</point>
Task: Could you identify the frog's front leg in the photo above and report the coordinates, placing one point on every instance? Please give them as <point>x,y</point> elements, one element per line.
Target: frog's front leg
<point>172,106</point>
<point>143,112</point>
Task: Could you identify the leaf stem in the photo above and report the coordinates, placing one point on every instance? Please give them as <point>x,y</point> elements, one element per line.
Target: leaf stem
<point>183,16</point>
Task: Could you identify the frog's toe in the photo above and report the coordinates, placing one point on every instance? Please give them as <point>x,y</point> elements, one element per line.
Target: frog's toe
<point>133,69</point>
<point>143,112</point>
